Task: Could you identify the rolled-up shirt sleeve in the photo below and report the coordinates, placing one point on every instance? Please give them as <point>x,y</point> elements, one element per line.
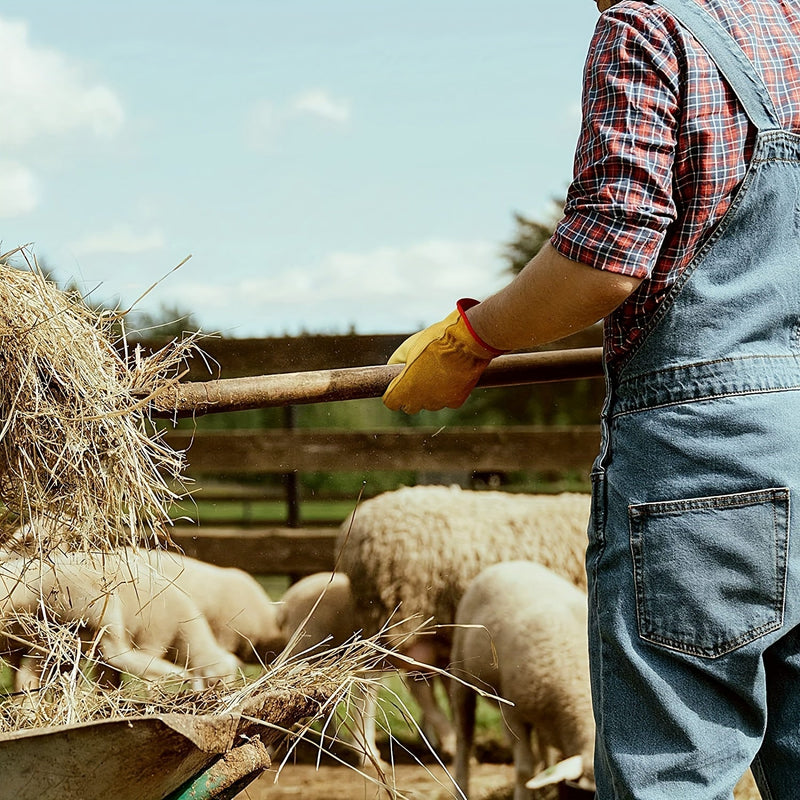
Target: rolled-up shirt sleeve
<point>620,202</point>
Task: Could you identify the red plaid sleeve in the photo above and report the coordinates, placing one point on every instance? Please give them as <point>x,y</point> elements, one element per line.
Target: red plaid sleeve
<point>620,202</point>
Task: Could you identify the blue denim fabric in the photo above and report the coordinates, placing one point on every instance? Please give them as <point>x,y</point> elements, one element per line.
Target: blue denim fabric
<point>694,556</point>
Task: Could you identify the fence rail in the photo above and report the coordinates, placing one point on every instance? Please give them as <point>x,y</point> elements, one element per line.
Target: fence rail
<point>281,451</point>
<point>267,550</point>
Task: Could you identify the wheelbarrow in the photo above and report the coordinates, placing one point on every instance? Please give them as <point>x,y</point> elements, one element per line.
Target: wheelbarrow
<point>170,756</point>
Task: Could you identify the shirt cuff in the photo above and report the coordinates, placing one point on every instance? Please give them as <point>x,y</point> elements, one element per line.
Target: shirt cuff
<point>606,243</point>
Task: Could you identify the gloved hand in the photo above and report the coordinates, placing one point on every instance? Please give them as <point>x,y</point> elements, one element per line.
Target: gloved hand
<point>443,364</point>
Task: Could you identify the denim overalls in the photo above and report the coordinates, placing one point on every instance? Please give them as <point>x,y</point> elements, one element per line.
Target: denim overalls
<point>694,557</point>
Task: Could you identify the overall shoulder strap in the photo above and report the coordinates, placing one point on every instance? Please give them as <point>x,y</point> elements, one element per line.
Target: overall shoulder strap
<point>730,59</point>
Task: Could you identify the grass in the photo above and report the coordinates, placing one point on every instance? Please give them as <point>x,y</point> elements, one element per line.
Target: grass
<point>266,511</point>
<point>247,507</point>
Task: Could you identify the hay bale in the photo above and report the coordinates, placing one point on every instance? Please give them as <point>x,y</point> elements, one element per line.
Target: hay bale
<point>76,440</point>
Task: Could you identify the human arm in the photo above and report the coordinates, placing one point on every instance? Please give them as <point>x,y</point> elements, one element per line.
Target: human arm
<point>618,210</point>
<point>551,298</point>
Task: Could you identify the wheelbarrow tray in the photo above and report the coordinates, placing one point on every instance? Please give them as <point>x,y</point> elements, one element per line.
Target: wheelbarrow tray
<point>138,758</point>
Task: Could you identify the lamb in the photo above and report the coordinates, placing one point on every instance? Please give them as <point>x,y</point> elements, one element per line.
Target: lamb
<point>143,624</point>
<point>521,634</point>
<point>318,611</point>
<point>330,623</point>
<point>411,553</point>
<point>241,614</point>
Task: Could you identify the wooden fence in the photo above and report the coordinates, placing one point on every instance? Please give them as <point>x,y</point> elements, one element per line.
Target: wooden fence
<point>295,549</point>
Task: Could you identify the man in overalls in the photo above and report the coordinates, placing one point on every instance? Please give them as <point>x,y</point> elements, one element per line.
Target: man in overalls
<point>682,229</point>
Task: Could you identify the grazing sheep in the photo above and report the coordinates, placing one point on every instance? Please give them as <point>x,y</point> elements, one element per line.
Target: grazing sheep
<point>143,624</point>
<point>239,611</point>
<point>411,553</point>
<point>319,609</point>
<point>524,639</point>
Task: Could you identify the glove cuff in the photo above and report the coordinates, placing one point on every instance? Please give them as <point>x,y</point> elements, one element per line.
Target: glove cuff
<point>463,305</point>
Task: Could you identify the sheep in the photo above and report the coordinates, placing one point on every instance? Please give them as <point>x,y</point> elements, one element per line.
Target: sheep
<point>330,623</point>
<point>317,611</point>
<point>411,553</point>
<point>143,624</point>
<point>240,612</point>
<point>521,634</point>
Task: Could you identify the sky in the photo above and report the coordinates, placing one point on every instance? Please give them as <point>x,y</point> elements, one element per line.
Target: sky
<point>329,165</point>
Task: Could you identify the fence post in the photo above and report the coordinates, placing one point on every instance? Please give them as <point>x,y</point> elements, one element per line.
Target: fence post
<point>290,479</point>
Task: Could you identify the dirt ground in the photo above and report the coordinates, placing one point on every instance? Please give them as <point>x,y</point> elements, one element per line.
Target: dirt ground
<point>429,782</point>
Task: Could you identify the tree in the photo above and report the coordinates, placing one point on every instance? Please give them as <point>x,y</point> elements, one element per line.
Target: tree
<point>531,237</point>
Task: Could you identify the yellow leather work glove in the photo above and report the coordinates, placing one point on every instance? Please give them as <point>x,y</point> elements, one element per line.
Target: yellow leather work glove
<point>442,365</point>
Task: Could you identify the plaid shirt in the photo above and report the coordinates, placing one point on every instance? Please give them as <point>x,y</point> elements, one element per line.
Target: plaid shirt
<point>664,143</point>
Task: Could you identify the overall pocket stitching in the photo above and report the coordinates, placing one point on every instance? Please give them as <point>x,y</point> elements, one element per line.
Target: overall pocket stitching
<point>639,514</point>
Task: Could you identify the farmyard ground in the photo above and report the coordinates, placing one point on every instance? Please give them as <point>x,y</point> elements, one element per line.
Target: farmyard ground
<point>489,782</point>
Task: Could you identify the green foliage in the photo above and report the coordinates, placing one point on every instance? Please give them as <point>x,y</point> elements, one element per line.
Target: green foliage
<point>6,678</point>
<point>564,403</point>
<point>399,713</point>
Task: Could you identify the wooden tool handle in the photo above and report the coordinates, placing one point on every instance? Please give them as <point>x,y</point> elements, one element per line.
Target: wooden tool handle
<point>353,383</point>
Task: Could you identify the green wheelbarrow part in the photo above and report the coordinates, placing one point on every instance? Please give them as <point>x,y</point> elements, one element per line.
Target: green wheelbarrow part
<point>227,776</point>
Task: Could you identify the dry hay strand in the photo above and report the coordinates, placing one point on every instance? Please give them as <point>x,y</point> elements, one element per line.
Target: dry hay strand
<point>341,722</point>
<point>69,693</point>
<point>76,439</point>
<point>282,705</point>
<point>298,698</point>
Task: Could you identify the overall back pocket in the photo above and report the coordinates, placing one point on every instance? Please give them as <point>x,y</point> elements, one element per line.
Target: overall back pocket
<point>710,572</point>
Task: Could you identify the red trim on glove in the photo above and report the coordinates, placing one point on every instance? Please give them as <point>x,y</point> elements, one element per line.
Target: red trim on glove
<point>463,305</point>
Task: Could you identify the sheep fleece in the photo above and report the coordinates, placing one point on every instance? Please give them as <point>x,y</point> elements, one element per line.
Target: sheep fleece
<point>415,550</point>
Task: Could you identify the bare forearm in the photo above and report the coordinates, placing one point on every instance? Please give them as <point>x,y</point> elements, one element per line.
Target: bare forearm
<point>551,298</point>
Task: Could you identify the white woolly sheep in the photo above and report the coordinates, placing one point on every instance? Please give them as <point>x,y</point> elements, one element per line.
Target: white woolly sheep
<point>144,625</point>
<point>330,622</point>
<point>240,612</point>
<point>521,635</point>
<point>411,553</point>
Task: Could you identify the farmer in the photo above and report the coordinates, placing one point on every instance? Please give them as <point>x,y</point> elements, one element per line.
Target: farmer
<point>682,229</point>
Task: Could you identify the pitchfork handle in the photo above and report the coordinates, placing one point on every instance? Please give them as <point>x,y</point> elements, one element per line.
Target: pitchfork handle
<point>353,383</point>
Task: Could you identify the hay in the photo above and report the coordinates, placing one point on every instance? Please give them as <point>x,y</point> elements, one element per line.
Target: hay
<point>76,441</point>
<point>69,694</point>
<point>282,703</point>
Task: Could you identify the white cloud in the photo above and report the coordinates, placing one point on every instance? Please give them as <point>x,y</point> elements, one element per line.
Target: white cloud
<point>119,239</point>
<point>319,103</point>
<point>265,120</point>
<point>42,93</point>
<point>385,290</point>
<point>20,193</point>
